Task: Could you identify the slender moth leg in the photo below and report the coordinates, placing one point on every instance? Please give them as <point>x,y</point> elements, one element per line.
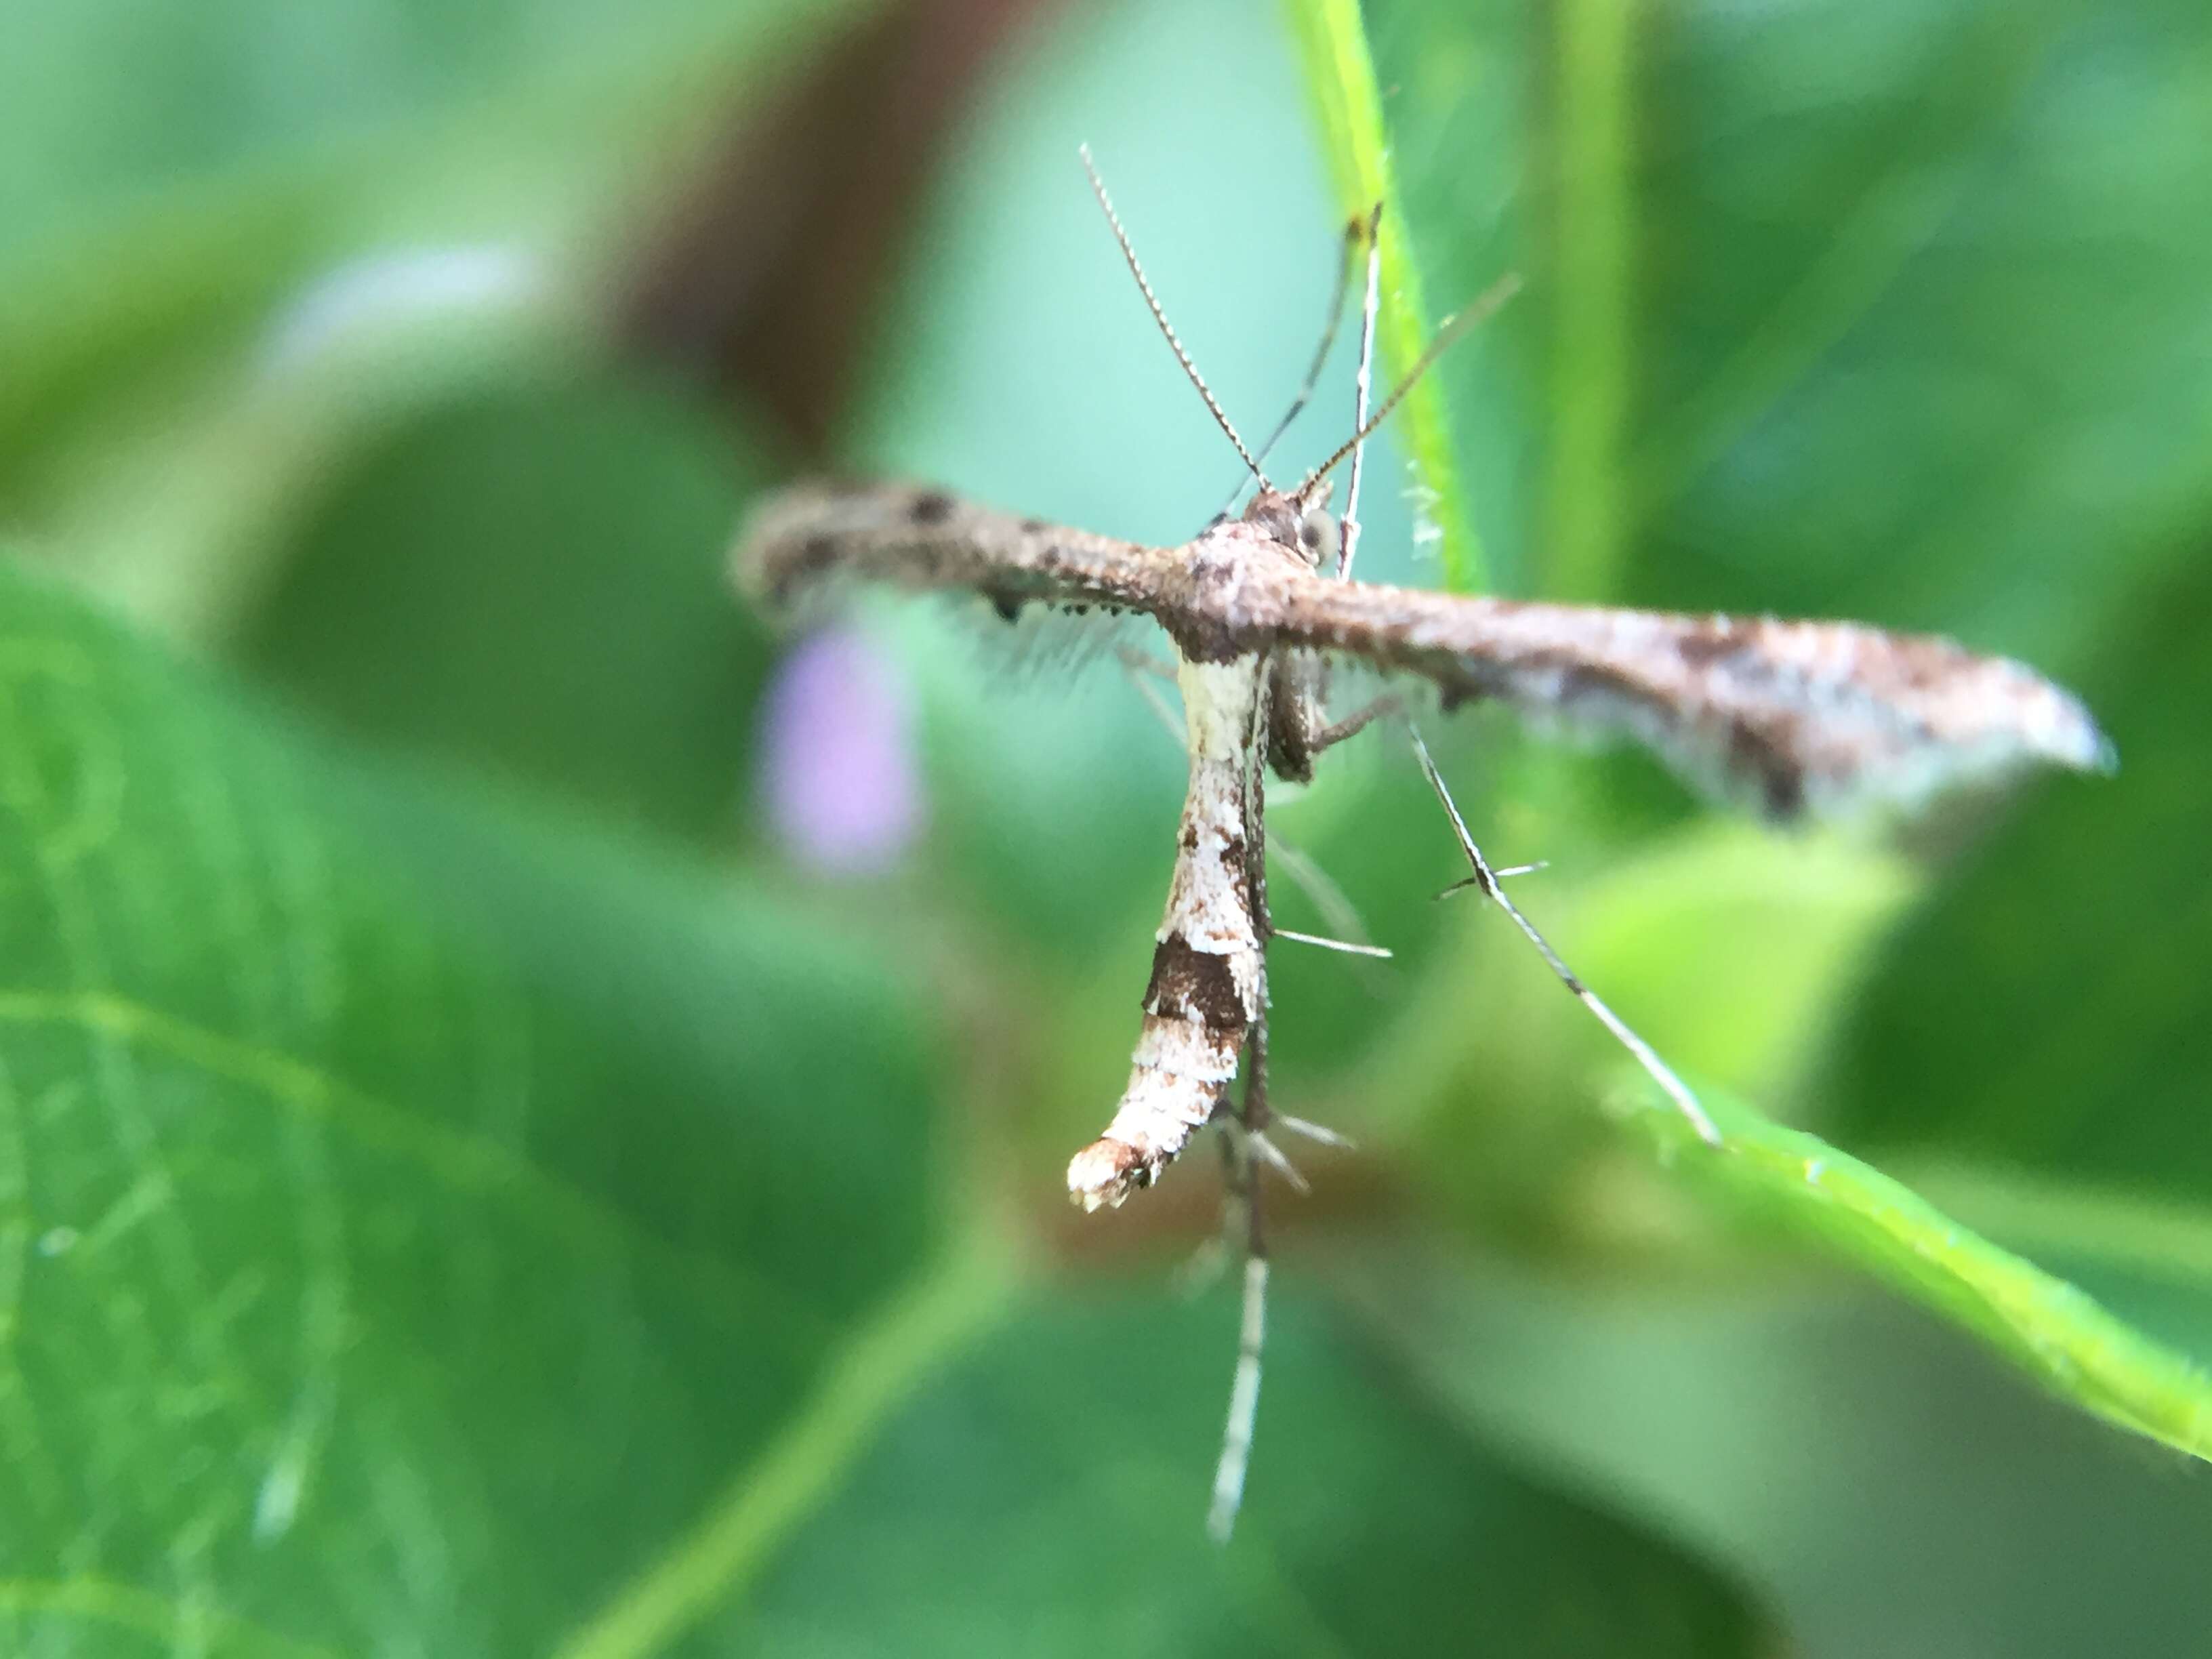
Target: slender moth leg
<point>1330,900</point>
<point>1353,724</point>
<point>1248,1136</point>
<point>1486,879</point>
<point>1380,952</point>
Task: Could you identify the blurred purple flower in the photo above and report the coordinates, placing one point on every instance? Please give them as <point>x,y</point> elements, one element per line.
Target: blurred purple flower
<point>838,757</point>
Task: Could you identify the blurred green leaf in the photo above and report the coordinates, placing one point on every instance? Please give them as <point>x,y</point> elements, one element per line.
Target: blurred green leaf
<point>1891,1481</point>
<point>113,103</point>
<point>530,580</point>
<point>2036,1034</point>
<point>2047,1002</point>
<point>1082,1436</point>
<point>1919,278</point>
<point>287,231</point>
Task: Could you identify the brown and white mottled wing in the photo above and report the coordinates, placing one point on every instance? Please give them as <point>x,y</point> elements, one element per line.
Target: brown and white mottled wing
<point>1802,716</point>
<point>814,534</point>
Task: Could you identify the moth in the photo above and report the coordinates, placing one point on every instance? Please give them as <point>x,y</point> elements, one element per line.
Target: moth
<point>1797,718</point>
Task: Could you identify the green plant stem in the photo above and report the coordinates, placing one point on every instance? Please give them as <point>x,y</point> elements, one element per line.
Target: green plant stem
<point>1591,334</point>
<point>863,1383</point>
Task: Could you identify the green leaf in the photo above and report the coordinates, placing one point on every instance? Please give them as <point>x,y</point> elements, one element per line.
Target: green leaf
<point>115,104</point>
<point>2050,1328</point>
<point>425,1224</point>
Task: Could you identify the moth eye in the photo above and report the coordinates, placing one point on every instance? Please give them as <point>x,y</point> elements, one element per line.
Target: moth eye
<point>1318,531</point>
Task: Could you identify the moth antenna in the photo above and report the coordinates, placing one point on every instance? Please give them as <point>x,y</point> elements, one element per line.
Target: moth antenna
<point>1348,526</point>
<point>1352,232</point>
<point>1485,305</point>
<point>1144,287</point>
<point>1487,880</point>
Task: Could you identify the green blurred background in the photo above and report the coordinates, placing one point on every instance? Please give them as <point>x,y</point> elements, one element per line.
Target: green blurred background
<point>483,1171</point>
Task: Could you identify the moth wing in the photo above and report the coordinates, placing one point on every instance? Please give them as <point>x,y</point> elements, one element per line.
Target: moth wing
<point>812,535</point>
<point>1802,717</point>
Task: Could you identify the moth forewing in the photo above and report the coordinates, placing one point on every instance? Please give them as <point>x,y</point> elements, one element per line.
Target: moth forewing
<point>810,535</point>
<point>1818,718</point>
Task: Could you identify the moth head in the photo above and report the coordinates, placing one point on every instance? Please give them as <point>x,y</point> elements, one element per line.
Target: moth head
<point>1301,522</point>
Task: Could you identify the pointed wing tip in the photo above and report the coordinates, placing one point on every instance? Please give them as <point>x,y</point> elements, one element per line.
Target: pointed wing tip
<point>2068,734</point>
<point>2093,750</point>
<point>2043,725</point>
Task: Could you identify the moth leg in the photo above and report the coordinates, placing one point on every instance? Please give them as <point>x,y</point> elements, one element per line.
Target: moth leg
<point>1275,1158</point>
<point>1486,879</point>
<point>1241,1162</point>
<point>1316,1132</point>
<point>1343,946</point>
<point>1244,1402</point>
<point>1143,662</point>
<point>1337,912</point>
<point>1243,1136</point>
<point>1505,873</point>
<point>1293,708</point>
<point>1353,723</point>
<point>1298,731</point>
